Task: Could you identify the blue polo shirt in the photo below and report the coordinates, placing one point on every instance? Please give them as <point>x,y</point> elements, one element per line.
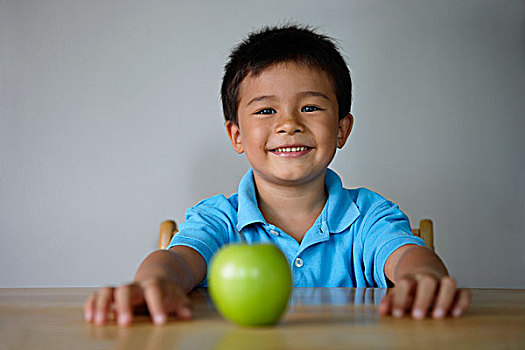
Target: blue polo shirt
<point>347,246</point>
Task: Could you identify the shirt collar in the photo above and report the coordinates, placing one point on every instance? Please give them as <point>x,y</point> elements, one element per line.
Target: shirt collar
<point>339,212</point>
<point>248,212</point>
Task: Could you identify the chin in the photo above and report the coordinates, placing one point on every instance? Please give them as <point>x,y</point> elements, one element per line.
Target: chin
<point>294,177</point>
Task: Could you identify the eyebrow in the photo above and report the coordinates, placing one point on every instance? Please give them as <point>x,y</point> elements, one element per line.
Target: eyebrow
<point>273,97</point>
<point>261,98</point>
<point>314,94</point>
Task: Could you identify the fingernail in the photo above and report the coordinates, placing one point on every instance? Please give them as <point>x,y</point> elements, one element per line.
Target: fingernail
<point>124,319</point>
<point>159,319</point>
<point>185,313</point>
<point>456,312</point>
<point>418,314</point>
<point>439,313</point>
<point>87,316</point>
<point>99,318</point>
<point>398,313</point>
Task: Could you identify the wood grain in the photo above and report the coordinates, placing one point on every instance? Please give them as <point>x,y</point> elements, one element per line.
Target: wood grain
<point>317,318</point>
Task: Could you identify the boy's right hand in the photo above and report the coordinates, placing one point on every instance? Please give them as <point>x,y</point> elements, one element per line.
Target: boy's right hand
<point>161,297</point>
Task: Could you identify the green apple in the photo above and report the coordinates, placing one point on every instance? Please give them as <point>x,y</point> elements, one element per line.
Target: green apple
<point>250,284</point>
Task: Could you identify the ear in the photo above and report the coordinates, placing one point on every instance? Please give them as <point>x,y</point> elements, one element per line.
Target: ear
<point>234,133</point>
<point>344,129</point>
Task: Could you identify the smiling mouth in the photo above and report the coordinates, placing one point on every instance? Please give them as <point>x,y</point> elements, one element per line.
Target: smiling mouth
<point>291,149</point>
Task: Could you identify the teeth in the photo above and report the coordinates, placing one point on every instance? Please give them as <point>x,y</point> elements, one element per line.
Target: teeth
<point>292,149</point>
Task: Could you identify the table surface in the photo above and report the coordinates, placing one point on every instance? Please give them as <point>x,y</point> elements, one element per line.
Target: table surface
<point>316,318</point>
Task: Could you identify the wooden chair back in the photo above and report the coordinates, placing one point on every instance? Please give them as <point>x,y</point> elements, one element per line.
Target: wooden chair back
<point>425,232</point>
<point>168,228</point>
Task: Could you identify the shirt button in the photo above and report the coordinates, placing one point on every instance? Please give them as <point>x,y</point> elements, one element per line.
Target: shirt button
<point>298,262</point>
<point>275,233</point>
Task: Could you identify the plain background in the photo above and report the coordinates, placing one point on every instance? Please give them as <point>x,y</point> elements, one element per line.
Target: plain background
<point>111,122</point>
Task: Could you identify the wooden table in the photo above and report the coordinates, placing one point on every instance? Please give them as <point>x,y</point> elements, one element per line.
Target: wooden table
<point>317,318</point>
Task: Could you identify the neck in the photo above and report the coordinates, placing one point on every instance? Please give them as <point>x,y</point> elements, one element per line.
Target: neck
<point>293,208</point>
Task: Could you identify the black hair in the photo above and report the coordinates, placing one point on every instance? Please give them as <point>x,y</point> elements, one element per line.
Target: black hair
<point>289,43</point>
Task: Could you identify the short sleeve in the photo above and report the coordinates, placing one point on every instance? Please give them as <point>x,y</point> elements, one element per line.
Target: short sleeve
<point>206,228</point>
<point>385,229</point>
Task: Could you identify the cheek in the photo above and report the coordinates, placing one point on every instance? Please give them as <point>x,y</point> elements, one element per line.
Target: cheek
<point>255,135</point>
<point>326,133</point>
<point>253,142</point>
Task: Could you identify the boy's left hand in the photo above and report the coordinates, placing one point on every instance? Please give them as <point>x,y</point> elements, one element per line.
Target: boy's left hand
<point>423,295</point>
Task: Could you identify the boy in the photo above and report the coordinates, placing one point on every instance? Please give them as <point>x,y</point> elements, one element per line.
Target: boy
<point>286,97</point>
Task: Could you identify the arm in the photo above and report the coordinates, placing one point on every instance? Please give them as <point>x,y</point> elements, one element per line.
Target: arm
<point>421,282</point>
<point>412,259</point>
<point>161,283</point>
<point>184,265</point>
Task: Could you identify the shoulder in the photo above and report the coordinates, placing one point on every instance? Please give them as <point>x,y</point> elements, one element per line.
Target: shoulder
<point>367,200</point>
<point>217,205</point>
<point>374,208</point>
<point>217,211</point>
<point>215,215</point>
<point>218,200</point>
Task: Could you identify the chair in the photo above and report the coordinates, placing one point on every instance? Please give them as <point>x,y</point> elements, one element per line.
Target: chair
<point>426,231</point>
<point>168,229</point>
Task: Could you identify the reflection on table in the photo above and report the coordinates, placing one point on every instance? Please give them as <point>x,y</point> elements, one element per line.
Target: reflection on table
<point>316,318</point>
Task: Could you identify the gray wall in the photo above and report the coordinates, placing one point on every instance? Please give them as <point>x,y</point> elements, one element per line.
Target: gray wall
<point>111,122</point>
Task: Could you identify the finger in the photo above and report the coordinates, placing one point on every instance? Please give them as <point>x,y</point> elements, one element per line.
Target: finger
<point>89,308</point>
<point>402,297</point>
<point>155,302</point>
<point>462,303</point>
<point>425,293</point>
<point>445,298</point>
<point>103,304</point>
<point>181,304</point>
<point>125,298</point>
<point>385,305</point>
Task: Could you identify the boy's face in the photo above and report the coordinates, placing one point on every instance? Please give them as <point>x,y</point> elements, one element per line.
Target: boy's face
<point>288,124</point>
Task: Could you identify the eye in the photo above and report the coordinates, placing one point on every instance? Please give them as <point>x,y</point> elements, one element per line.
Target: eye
<point>266,111</point>
<point>310,109</point>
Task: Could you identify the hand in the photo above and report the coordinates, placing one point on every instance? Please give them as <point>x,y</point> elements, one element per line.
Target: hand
<point>160,296</point>
<point>425,295</point>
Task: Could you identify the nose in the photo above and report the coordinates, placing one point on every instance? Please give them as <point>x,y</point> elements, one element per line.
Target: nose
<point>289,123</point>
